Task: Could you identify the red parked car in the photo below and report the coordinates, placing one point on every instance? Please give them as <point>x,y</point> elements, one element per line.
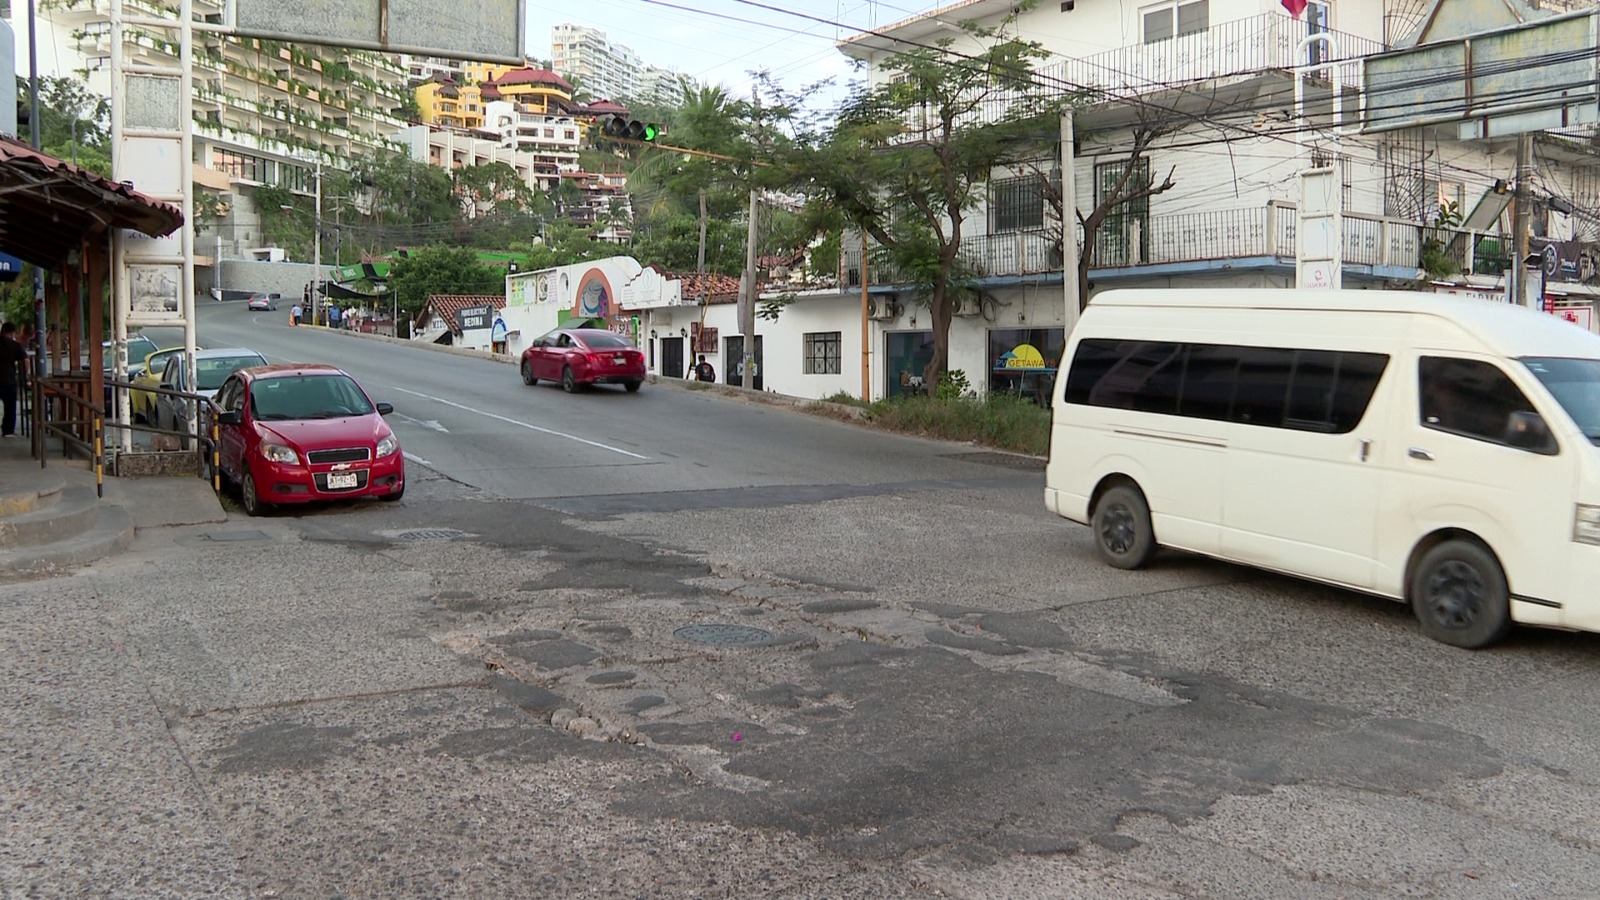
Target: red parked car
<point>578,357</point>
<point>297,433</point>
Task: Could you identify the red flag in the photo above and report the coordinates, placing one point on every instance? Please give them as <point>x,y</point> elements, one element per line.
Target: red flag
<point>1295,7</point>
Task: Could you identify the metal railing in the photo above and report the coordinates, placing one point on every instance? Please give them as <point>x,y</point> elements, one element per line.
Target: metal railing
<point>1240,233</point>
<point>61,409</point>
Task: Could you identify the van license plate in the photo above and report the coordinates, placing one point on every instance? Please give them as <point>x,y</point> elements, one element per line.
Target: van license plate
<point>338,480</point>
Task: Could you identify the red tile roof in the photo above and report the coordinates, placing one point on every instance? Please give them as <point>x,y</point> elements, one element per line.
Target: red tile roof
<point>724,288</point>
<point>152,223</point>
<point>601,108</point>
<point>530,75</point>
<point>445,306</point>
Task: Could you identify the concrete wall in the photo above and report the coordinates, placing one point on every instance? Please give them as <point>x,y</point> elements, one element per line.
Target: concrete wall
<point>243,276</point>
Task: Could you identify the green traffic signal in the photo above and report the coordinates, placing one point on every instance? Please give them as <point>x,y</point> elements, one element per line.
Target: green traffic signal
<point>651,131</point>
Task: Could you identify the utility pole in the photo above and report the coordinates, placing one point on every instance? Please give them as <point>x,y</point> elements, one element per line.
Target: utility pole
<point>866,327</point>
<point>38,276</point>
<point>1522,218</point>
<point>316,248</point>
<point>747,300</point>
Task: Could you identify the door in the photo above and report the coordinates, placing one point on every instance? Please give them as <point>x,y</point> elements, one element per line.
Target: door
<point>1465,465</point>
<point>733,353</point>
<point>230,438</point>
<point>1303,475</point>
<point>672,357</point>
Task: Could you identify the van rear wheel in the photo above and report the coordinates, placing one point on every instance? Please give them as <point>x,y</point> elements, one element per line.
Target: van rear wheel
<point>1459,594</point>
<point>1122,530</point>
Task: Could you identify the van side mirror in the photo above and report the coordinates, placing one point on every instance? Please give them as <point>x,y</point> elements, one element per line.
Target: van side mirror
<point>385,408</point>
<point>228,417</point>
<point>1528,431</point>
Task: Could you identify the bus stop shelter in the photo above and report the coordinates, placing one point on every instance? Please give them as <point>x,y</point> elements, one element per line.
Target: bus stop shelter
<point>61,219</point>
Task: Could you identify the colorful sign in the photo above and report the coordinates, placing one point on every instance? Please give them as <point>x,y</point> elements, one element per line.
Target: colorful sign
<point>1023,358</point>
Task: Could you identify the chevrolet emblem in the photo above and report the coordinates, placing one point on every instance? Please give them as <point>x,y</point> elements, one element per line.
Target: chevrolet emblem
<point>340,467</point>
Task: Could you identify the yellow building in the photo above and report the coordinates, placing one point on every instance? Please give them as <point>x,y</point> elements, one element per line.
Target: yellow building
<point>443,102</point>
<point>476,73</point>
<point>538,91</point>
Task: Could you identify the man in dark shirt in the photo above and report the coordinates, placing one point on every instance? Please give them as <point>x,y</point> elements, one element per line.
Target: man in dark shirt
<point>13,375</point>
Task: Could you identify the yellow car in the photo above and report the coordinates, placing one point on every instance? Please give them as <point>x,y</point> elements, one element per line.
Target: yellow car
<point>142,403</point>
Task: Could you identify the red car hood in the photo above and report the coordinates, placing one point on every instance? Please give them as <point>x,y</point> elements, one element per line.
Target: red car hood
<point>326,434</point>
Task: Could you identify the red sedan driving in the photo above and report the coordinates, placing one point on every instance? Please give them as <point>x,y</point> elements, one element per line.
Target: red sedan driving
<point>579,357</point>
<point>297,433</point>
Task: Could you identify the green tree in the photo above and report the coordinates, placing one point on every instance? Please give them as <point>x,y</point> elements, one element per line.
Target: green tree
<point>440,269</point>
<point>672,241</point>
<point>74,122</point>
<point>907,160</point>
<point>494,184</point>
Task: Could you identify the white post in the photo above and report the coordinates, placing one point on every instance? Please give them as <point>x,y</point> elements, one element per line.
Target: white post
<point>186,173</point>
<point>121,290</point>
<point>1319,235</point>
<point>1069,228</point>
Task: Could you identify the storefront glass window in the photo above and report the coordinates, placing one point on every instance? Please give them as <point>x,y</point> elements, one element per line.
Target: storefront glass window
<point>1022,361</point>
<point>908,356</point>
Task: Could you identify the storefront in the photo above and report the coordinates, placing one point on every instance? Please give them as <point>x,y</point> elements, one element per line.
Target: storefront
<point>908,354</point>
<point>1023,361</point>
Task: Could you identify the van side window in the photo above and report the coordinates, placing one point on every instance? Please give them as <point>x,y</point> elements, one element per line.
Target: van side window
<point>1305,390</point>
<point>1470,398</point>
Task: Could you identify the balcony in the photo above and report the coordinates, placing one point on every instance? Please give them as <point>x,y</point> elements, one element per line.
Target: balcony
<point>1257,237</point>
<point>1248,46</point>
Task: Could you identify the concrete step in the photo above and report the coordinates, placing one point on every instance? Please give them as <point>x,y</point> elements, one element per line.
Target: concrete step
<point>72,514</point>
<point>111,533</point>
<point>28,492</point>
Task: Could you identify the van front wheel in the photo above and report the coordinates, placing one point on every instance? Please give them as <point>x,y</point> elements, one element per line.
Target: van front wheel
<point>1460,596</point>
<point>1122,530</point>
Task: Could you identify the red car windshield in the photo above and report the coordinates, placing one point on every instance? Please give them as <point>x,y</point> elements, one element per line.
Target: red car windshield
<point>307,397</point>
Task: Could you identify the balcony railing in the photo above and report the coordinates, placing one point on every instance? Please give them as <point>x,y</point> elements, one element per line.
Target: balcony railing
<point>1261,43</point>
<point>1264,232</point>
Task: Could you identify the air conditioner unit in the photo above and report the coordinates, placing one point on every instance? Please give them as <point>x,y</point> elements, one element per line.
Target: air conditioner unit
<point>883,309</point>
<point>969,306</point>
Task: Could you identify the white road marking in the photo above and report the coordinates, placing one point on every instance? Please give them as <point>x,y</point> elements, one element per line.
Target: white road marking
<point>510,421</point>
<point>430,423</point>
<point>415,458</point>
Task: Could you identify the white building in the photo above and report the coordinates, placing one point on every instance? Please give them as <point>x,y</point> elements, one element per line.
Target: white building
<point>603,68</point>
<point>1220,73</point>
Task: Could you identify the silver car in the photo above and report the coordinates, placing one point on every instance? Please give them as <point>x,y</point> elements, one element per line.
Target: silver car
<point>212,368</point>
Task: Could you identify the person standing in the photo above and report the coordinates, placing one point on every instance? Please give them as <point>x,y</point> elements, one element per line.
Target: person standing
<point>13,376</point>
<point>333,315</point>
<point>294,314</point>
<point>703,370</point>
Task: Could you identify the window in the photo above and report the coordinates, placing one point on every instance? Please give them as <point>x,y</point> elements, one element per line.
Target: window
<point>823,351</point>
<point>1175,20</point>
<point>1303,390</point>
<point>1124,233</point>
<point>1016,204</point>
<point>1474,399</point>
<point>239,165</point>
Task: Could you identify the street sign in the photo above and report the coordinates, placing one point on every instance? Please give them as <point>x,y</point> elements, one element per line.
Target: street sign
<point>1530,77</point>
<point>483,31</point>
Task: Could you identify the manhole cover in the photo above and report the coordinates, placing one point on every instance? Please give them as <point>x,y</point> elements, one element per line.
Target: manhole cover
<point>724,635</point>
<point>429,534</point>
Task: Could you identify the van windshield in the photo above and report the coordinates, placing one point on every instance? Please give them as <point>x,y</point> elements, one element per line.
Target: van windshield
<point>1575,383</point>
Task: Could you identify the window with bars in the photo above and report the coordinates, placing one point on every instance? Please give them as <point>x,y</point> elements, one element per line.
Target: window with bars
<point>1016,204</point>
<point>1171,20</point>
<point>823,353</point>
<point>1124,237</point>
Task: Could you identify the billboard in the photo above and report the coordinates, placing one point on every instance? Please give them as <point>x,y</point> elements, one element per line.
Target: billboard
<point>482,31</point>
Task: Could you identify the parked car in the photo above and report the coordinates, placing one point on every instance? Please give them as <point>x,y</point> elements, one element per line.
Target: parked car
<point>212,368</point>
<point>139,350</point>
<point>147,374</point>
<point>297,433</point>
<point>578,357</point>
<point>263,301</point>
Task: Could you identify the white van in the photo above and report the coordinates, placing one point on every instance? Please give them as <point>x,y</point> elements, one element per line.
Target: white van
<point>1433,450</point>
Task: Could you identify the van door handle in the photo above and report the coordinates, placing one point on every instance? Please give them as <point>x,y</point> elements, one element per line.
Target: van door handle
<point>1419,453</point>
<point>1366,449</point>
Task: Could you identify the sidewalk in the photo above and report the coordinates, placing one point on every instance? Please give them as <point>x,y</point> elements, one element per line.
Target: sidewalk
<point>152,502</point>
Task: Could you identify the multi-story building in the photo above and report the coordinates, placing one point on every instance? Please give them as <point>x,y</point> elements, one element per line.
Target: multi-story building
<point>603,68</point>
<point>431,68</point>
<point>535,90</point>
<point>661,86</point>
<point>442,101</point>
<point>1215,81</point>
<point>264,112</point>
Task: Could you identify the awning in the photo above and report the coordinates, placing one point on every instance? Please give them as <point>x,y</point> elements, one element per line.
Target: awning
<point>48,206</point>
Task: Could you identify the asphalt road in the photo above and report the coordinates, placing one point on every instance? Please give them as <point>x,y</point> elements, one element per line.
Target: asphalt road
<point>487,689</point>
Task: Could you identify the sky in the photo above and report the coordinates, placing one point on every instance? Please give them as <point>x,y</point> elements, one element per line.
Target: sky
<point>721,41</point>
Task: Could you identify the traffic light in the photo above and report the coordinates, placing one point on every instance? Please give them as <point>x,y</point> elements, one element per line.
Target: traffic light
<point>635,130</point>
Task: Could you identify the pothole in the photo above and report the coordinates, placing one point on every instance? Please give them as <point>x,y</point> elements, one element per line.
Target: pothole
<point>429,534</point>
<point>724,635</point>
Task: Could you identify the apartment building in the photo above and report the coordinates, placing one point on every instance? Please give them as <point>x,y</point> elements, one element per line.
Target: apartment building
<point>264,112</point>
<point>603,68</point>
